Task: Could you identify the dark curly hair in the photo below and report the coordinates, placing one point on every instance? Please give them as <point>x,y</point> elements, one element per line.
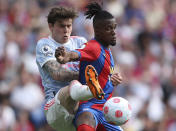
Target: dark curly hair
<point>57,13</point>
<point>95,11</point>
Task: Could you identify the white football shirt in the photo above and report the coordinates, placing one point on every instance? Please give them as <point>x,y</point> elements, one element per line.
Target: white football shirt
<point>45,51</point>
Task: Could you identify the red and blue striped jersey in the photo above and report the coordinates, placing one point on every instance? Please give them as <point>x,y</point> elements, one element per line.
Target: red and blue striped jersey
<point>101,58</point>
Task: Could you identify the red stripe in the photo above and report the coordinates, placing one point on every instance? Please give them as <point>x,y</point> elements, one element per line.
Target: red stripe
<point>85,127</point>
<point>110,95</point>
<point>48,105</point>
<point>103,76</point>
<point>81,102</point>
<point>100,106</point>
<point>100,127</point>
<point>88,53</point>
<point>50,102</point>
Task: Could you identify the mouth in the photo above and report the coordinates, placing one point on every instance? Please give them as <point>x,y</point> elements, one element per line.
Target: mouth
<point>65,37</point>
<point>114,39</point>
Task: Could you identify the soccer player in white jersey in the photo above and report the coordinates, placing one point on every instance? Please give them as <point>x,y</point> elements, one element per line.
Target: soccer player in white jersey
<point>62,90</point>
<point>61,97</point>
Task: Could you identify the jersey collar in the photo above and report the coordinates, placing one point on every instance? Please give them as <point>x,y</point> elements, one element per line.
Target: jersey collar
<point>57,43</point>
<point>101,44</point>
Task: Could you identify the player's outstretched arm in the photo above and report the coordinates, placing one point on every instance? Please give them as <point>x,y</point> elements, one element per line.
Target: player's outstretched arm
<point>57,72</point>
<point>64,56</point>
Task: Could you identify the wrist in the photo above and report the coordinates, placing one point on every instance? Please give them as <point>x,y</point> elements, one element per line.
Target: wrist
<point>67,57</point>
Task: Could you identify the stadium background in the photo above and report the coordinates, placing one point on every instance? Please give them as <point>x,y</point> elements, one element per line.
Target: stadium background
<point>145,55</point>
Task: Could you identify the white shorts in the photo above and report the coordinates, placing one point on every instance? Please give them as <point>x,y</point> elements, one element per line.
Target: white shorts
<point>57,116</point>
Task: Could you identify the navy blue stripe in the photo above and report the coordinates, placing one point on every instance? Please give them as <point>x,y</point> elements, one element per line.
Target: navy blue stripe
<point>98,65</point>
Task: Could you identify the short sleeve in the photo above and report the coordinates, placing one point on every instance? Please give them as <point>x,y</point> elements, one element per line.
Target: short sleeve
<point>82,42</point>
<point>89,52</point>
<point>44,52</point>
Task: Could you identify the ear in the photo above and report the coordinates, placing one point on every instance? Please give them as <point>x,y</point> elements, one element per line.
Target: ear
<point>98,27</point>
<point>97,32</point>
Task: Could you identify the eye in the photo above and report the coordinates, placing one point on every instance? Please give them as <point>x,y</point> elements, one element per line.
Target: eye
<point>109,28</point>
<point>68,26</point>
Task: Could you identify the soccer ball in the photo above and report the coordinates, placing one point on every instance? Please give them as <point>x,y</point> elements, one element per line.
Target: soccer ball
<point>117,111</point>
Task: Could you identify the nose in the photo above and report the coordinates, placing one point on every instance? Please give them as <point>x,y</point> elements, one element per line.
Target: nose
<point>113,33</point>
<point>66,29</point>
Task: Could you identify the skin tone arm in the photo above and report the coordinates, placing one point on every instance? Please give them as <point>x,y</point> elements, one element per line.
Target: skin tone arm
<point>64,56</point>
<point>57,72</point>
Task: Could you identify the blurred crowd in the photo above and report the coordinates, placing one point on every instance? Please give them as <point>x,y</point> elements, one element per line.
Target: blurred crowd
<point>145,55</point>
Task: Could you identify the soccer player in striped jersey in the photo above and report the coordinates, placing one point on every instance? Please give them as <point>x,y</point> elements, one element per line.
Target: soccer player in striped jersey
<point>96,53</point>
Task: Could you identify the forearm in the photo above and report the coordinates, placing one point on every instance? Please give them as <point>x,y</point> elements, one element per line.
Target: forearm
<point>63,56</point>
<point>57,72</point>
<point>73,56</point>
<point>66,75</point>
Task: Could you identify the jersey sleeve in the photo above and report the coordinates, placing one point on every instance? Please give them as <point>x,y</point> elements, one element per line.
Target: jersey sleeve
<point>89,52</point>
<point>82,43</point>
<point>79,41</point>
<point>44,52</point>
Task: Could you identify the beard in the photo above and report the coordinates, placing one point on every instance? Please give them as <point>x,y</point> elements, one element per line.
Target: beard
<point>113,43</point>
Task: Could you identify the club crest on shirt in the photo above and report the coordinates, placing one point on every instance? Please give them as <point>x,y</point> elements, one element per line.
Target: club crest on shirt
<point>111,70</point>
<point>46,50</point>
<point>104,54</point>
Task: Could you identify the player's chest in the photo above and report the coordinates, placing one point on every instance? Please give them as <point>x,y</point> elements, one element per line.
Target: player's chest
<point>71,45</point>
<point>106,61</point>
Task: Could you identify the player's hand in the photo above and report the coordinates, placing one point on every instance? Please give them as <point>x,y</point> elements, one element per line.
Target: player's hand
<point>116,79</point>
<point>61,55</point>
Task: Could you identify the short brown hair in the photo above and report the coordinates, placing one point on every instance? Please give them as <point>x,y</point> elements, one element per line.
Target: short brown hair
<point>61,13</point>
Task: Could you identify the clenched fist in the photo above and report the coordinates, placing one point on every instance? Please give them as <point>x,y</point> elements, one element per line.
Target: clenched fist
<point>61,55</point>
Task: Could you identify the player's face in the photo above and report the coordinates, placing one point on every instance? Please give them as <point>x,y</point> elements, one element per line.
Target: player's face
<point>108,34</point>
<point>61,30</point>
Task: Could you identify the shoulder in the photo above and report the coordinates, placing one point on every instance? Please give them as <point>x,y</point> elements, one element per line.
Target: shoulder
<point>44,45</point>
<point>43,41</point>
<point>78,39</point>
<point>94,44</point>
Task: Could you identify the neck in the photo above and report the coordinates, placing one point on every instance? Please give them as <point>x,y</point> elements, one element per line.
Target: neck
<point>58,41</point>
<point>102,42</point>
